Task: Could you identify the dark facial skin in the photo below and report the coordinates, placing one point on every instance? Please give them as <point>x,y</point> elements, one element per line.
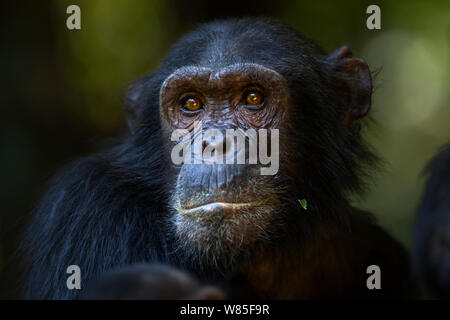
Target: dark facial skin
<point>222,93</point>
<point>227,206</point>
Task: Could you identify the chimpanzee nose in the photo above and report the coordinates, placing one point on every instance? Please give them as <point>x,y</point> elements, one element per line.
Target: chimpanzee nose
<point>215,148</point>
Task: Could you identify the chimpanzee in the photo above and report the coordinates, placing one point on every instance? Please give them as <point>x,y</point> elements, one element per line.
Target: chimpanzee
<point>431,243</point>
<point>228,224</point>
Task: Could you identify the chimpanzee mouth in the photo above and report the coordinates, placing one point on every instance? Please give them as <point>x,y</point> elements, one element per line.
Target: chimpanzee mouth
<point>220,191</point>
<point>212,207</point>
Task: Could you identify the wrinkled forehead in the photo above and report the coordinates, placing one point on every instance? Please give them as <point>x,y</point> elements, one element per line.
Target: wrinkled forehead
<point>231,76</point>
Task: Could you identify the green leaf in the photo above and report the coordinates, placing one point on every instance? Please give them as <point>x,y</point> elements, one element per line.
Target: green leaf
<point>303,203</point>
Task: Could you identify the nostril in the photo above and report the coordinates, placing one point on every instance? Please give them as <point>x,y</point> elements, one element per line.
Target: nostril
<point>214,142</point>
<point>215,147</point>
<point>227,143</point>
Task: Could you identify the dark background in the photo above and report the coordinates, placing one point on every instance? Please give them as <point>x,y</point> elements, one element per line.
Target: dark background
<point>61,90</point>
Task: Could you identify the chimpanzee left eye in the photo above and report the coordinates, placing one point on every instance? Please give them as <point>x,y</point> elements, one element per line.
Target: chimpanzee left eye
<point>253,98</point>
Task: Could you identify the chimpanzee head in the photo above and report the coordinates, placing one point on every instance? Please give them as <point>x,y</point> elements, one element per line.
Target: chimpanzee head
<point>294,109</point>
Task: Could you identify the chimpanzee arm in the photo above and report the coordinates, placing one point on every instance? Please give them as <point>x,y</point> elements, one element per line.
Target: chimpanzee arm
<point>431,245</point>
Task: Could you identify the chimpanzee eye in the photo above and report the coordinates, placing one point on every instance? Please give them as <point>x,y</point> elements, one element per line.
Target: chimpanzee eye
<point>253,98</point>
<point>191,103</point>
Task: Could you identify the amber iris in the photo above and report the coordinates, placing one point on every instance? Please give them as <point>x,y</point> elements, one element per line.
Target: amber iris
<point>192,104</point>
<point>254,98</point>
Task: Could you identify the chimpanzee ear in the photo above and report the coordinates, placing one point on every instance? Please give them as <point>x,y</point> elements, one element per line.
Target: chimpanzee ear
<point>352,80</point>
<point>132,102</point>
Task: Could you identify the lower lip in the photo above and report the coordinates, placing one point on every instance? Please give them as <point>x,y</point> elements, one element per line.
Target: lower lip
<point>218,206</point>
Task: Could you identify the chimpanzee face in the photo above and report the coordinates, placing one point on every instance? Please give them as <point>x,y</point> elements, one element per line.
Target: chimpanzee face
<point>250,124</point>
<point>224,196</point>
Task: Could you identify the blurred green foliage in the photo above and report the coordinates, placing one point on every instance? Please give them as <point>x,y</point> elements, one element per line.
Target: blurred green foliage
<point>64,87</point>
